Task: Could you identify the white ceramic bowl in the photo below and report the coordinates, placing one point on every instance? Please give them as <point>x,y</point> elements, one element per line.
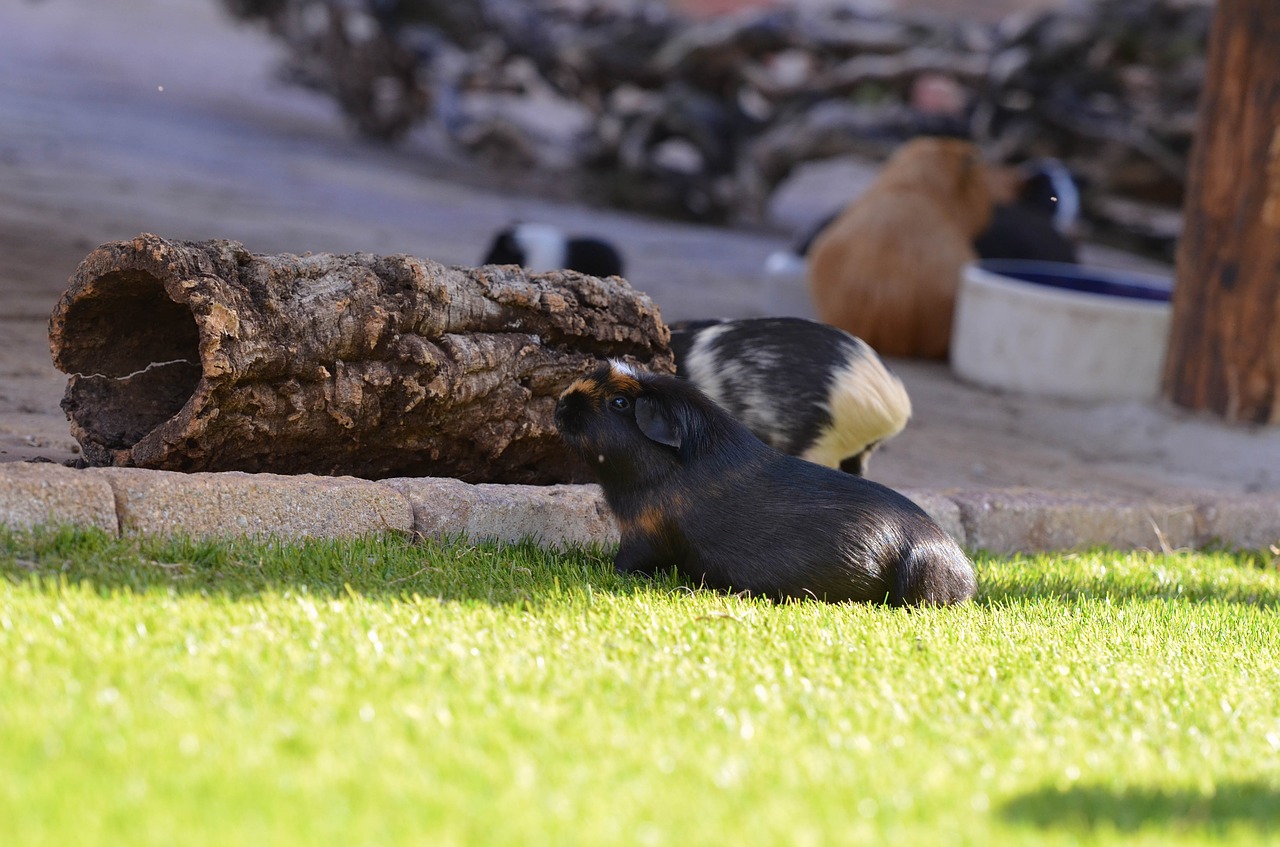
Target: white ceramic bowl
<point>1061,330</point>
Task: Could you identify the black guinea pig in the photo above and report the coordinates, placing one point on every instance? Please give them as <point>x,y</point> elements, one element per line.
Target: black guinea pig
<point>542,247</point>
<point>1038,224</point>
<point>802,387</point>
<point>692,488</point>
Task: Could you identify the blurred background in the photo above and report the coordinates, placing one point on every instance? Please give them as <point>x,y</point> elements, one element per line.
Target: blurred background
<point>707,111</point>
<point>424,125</point>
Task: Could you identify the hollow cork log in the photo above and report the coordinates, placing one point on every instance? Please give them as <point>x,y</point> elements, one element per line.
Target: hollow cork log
<point>203,356</point>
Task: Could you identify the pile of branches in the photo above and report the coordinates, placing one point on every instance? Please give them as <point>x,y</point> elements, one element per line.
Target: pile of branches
<point>703,119</point>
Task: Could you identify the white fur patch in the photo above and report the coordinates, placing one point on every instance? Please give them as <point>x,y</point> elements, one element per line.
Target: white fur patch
<point>622,368</point>
<point>543,246</point>
<point>867,403</point>
<point>701,365</point>
<point>756,394</point>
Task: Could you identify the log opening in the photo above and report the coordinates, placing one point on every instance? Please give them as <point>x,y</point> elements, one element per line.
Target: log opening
<point>136,379</point>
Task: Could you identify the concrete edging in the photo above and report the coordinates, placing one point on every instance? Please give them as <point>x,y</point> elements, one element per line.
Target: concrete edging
<point>130,501</point>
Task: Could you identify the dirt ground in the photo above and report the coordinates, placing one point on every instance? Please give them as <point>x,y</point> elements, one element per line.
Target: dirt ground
<point>123,116</point>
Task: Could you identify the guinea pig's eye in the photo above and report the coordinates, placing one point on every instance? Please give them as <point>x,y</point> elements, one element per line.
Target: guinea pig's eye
<point>619,403</point>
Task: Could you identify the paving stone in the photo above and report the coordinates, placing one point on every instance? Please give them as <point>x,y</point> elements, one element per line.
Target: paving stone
<point>942,509</point>
<point>1030,520</point>
<point>554,515</point>
<point>1241,521</point>
<point>42,494</point>
<point>237,504</point>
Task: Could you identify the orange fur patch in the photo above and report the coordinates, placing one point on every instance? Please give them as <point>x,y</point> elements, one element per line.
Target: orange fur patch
<point>888,268</point>
<point>652,521</point>
<point>617,382</point>
<point>584,386</point>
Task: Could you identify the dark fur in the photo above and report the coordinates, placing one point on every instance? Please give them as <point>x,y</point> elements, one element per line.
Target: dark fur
<point>587,255</point>
<point>1023,232</point>
<point>1035,224</point>
<point>504,250</point>
<point>693,489</point>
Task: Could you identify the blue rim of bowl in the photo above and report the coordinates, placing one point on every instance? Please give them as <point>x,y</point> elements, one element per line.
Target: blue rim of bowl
<point>1086,279</point>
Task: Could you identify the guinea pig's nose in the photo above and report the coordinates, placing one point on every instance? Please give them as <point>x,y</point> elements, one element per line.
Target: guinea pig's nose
<point>569,412</point>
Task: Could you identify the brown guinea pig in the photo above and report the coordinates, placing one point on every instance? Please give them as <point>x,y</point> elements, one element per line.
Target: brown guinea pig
<point>887,269</point>
<point>693,489</point>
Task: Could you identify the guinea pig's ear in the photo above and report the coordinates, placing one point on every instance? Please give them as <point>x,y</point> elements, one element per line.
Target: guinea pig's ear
<point>655,421</point>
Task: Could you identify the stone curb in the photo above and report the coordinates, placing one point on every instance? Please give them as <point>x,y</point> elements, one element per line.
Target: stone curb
<point>228,505</point>
<point>553,515</point>
<point>35,494</point>
<point>1012,520</point>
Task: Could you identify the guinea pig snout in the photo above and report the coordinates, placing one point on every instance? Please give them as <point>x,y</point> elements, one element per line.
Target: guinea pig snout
<point>570,411</point>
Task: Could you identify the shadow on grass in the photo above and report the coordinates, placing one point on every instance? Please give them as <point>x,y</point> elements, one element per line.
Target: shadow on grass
<point>379,566</point>
<point>1088,808</point>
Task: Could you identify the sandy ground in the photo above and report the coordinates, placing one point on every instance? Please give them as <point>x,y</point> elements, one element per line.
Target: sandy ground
<point>123,116</point>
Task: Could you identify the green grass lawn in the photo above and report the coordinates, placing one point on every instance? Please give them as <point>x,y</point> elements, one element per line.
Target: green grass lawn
<point>378,693</point>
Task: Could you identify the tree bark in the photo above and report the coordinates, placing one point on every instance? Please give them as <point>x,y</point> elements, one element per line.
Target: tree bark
<point>203,356</point>
<point>1224,348</point>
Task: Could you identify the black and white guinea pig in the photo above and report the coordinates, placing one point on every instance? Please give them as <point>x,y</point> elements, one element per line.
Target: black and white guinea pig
<point>693,489</point>
<point>803,387</point>
<point>542,247</point>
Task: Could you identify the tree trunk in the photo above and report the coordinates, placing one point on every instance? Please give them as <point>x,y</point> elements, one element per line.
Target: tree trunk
<point>1224,348</point>
<point>203,356</point>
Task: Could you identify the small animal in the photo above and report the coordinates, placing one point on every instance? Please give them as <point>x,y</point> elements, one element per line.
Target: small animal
<point>887,269</point>
<point>542,247</point>
<point>693,489</point>
<point>1035,223</point>
<point>804,388</point>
